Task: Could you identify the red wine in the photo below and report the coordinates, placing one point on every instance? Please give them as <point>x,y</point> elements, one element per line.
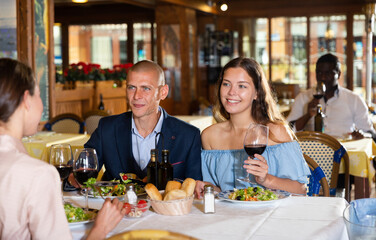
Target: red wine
<point>64,170</point>
<point>82,175</point>
<point>318,96</point>
<point>252,149</point>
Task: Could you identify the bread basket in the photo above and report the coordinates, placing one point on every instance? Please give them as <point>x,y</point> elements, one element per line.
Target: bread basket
<point>173,207</point>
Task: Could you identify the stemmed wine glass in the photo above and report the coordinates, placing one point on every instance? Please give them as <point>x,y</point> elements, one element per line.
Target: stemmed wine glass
<point>85,166</point>
<point>319,90</point>
<point>61,157</point>
<point>255,141</point>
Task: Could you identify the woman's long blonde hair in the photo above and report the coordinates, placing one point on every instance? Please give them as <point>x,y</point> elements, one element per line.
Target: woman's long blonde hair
<point>264,107</point>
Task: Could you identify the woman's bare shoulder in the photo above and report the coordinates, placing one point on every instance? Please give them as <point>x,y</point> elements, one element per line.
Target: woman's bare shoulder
<point>279,134</point>
<point>211,135</point>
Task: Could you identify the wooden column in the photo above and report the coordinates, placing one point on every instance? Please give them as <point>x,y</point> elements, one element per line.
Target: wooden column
<point>184,87</point>
<point>25,32</point>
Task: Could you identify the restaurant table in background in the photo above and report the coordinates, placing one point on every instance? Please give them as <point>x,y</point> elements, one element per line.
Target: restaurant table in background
<point>291,218</point>
<point>360,153</point>
<point>38,145</point>
<point>200,122</point>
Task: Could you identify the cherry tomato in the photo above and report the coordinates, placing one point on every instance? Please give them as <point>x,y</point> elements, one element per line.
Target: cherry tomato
<point>127,207</point>
<point>125,177</point>
<point>142,204</point>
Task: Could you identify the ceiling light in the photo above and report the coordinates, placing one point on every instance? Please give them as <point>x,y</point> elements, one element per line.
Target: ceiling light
<point>79,1</point>
<point>224,7</point>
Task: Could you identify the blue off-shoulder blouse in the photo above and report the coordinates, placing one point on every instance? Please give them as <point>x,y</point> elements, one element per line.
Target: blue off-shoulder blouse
<point>223,167</point>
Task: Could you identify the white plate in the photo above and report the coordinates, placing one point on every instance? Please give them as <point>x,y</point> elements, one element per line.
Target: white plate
<point>280,194</point>
<point>71,224</point>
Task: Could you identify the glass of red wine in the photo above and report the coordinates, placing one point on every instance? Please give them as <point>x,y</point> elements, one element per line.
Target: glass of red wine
<point>319,90</point>
<point>255,142</point>
<point>85,166</point>
<point>61,157</point>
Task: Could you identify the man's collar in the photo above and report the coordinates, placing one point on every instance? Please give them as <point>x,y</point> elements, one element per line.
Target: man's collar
<point>157,127</point>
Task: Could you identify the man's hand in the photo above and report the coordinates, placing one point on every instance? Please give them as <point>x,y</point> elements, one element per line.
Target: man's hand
<point>312,107</point>
<point>357,134</point>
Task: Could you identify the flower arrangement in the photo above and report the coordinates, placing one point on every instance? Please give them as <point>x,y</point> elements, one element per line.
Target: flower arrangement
<point>91,71</point>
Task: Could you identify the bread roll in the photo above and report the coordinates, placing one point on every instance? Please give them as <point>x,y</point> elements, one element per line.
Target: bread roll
<point>171,185</point>
<point>188,186</point>
<point>153,192</point>
<point>175,194</point>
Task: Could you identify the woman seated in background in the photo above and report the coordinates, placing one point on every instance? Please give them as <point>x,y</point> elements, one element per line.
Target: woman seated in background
<point>30,200</point>
<point>244,97</point>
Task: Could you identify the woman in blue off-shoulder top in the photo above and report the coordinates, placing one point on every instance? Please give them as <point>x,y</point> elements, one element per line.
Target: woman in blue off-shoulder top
<point>245,97</point>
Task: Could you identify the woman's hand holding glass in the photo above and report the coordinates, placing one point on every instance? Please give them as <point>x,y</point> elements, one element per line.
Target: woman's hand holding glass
<point>258,168</point>
<point>255,142</point>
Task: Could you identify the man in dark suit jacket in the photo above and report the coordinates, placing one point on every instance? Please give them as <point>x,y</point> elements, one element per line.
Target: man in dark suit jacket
<point>123,142</point>
<point>113,142</point>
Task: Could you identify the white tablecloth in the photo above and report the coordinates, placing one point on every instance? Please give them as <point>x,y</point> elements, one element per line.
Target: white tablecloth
<point>291,218</point>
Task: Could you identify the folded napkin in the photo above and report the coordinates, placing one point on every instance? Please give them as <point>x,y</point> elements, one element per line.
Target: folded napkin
<point>363,212</point>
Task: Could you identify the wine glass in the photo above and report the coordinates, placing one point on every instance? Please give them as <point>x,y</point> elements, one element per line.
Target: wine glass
<point>61,157</point>
<point>255,141</point>
<point>319,90</point>
<point>85,166</point>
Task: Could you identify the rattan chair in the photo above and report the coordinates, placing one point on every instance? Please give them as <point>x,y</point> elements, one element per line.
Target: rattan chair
<point>317,180</point>
<point>327,153</point>
<point>65,123</point>
<point>92,118</point>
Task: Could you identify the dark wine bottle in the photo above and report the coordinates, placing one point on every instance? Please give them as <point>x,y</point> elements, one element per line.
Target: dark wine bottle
<point>152,168</point>
<point>165,170</point>
<point>101,105</point>
<point>319,119</point>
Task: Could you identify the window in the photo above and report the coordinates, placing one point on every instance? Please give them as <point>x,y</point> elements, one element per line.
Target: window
<point>255,41</point>
<point>288,38</point>
<point>8,29</point>
<point>328,34</point>
<point>142,41</point>
<point>103,44</point>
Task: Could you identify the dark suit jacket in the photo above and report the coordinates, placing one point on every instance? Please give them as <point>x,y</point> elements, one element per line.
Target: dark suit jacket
<point>113,143</point>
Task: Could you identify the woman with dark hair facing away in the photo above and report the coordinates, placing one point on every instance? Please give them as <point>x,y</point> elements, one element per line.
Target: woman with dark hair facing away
<point>244,97</point>
<point>30,199</point>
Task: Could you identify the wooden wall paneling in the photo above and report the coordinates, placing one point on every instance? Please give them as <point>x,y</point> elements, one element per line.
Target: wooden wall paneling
<point>114,99</point>
<point>25,32</point>
<point>78,101</point>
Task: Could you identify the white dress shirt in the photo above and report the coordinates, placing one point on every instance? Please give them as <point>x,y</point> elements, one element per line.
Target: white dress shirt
<point>30,196</point>
<point>344,112</point>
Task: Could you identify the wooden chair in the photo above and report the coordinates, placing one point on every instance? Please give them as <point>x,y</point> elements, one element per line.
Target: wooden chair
<point>92,118</point>
<point>327,153</point>
<point>317,179</point>
<point>65,123</point>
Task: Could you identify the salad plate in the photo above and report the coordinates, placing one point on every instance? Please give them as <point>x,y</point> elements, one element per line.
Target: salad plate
<point>78,216</point>
<point>71,224</point>
<point>279,194</point>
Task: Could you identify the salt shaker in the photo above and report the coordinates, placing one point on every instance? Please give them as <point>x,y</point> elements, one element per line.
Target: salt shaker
<point>131,195</point>
<point>209,202</point>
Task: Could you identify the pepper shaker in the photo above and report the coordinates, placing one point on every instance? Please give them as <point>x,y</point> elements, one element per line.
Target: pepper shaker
<point>209,202</point>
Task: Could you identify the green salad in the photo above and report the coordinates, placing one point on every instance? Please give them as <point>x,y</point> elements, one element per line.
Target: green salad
<point>113,191</point>
<point>253,194</point>
<point>76,214</point>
